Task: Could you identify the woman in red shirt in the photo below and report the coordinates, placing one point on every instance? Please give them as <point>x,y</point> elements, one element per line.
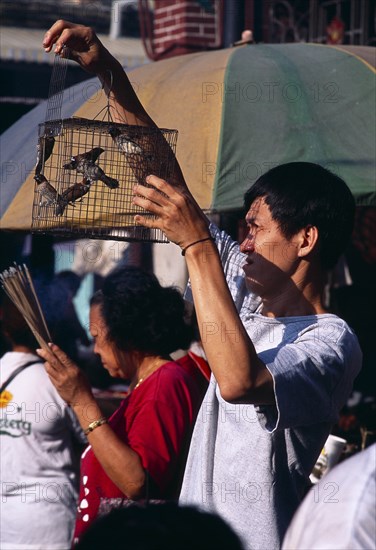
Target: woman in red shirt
<point>140,452</point>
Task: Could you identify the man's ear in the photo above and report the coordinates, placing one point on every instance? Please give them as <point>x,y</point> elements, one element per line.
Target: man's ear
<point>309,237</point>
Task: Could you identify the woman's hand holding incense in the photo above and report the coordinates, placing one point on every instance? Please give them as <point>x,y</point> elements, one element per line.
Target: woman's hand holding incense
<point>70,382</point>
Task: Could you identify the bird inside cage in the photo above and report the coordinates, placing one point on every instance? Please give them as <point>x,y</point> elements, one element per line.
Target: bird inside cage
<point>85,174</point>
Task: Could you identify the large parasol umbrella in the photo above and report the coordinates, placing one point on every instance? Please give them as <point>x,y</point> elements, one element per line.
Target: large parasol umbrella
<point>242,110</point>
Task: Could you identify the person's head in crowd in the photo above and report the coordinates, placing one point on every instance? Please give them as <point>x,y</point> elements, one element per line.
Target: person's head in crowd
<point>69,280</point>
<point>133,315</point>
<point>300,194</point>
<point>15,329</point>
<point>165,526</point>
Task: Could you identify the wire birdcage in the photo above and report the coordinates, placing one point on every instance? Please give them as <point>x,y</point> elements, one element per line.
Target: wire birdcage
<point>86,170</point>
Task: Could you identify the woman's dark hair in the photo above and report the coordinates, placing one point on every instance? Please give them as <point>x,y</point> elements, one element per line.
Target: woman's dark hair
<point>303,193</point>
<point>142,315</point>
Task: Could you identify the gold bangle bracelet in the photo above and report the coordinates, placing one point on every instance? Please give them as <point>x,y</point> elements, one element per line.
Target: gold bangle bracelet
<point>95,424</point>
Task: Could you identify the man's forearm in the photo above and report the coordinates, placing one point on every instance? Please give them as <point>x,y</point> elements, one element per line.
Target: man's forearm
<point>241,375</point>
<point>124,103</point>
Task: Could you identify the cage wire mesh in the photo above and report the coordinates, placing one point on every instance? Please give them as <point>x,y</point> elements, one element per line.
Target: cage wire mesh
<point>86,170</point>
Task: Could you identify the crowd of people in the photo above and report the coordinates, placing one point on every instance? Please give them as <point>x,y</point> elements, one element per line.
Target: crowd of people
<point>236,451</point>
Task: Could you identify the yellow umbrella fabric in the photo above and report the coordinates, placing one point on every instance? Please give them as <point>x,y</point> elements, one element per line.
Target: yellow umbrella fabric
<point>151,88</point>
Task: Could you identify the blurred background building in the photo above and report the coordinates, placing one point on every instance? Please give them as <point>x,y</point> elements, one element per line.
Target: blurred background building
<point>156,29</point>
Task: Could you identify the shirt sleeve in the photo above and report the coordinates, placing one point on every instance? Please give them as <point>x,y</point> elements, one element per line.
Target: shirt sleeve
<point>342,504</point>
<point>312,376</point>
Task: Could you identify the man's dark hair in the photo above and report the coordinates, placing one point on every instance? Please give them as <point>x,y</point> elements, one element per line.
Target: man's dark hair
<point>164,526</point>
<point>303,193</point>
<point>142,315</point>
<point>15,328</point>
<point>69,279</point>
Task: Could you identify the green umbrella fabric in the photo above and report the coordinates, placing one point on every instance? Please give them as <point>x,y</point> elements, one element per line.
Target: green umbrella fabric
<point>294,102</point>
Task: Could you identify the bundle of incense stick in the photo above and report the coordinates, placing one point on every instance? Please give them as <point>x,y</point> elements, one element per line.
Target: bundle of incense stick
<point>18,285</point>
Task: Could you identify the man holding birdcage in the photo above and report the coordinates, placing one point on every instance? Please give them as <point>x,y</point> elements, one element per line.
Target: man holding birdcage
<point>282,366</point>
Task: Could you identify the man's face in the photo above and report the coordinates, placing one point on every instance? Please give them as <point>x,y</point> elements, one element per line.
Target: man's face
<point>271,257</point>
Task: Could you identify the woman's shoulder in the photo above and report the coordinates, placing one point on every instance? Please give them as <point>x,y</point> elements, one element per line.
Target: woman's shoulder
<point>175,370</point>
<point>173,377</point>
<point>184,375</point>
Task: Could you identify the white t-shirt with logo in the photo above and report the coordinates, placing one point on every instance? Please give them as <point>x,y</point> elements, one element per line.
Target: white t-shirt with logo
<point>39,472</point>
